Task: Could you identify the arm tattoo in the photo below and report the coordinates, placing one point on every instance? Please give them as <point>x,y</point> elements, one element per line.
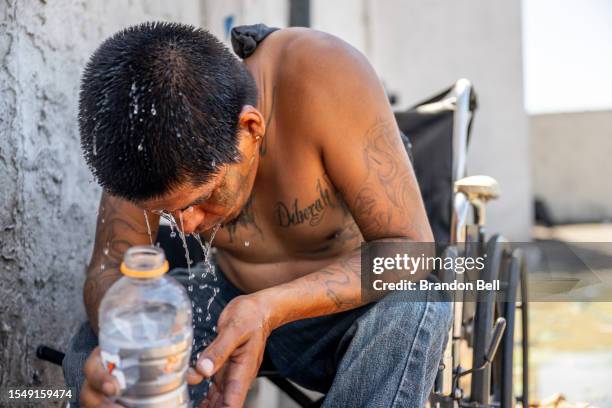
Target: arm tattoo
<point>115,234</point>
<point>383,202</point>
<point>386,173</point>
<point>339,280</point>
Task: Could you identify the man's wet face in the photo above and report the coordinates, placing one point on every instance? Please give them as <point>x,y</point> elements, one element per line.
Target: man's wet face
<point>201,207</point>
<point>220,200</point>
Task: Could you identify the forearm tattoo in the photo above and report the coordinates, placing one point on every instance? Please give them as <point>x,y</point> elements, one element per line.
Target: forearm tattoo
<point>115,234</point>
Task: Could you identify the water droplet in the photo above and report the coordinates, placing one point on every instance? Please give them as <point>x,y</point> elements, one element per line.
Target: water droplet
<point>140,120</point>
<point>213,163</point>
<point>140,147</point>
<point>102,220</point>
<point>153,111</point>
<point>133,89</point>
<point>247,243</point>
<point>105,251</point>
<point>172,234</point>
<point>199,310</point>
<point>190,288</point>
<point>102,267</point>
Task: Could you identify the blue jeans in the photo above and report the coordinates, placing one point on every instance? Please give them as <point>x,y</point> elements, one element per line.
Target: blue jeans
<point>383,354</point>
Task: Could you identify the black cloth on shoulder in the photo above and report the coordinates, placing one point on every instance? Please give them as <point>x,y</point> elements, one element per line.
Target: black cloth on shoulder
<point>246,38</point>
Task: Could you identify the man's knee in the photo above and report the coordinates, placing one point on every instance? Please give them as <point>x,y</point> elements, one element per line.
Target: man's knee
<point>80,347</point>
<point>402,313</point>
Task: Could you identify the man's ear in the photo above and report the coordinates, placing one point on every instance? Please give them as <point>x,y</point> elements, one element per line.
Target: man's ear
<point>252,121</point>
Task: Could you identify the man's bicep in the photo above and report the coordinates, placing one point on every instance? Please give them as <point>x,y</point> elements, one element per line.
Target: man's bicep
<point>352,122</point>
<point>376,179</point>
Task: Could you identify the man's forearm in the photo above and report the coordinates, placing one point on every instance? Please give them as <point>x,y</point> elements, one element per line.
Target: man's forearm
<point>332,289</point>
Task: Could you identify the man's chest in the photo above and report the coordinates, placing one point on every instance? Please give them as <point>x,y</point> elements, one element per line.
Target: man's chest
<point>294,212</point>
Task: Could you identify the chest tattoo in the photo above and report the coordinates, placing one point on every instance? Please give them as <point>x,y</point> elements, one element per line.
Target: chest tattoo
<point>293,214</point>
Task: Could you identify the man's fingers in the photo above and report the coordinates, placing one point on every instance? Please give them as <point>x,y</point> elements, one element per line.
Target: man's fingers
<point>97,376</point>
<point>215,355</point>
<point>216,398</point>
<point>90,398</point>
<point>193,377</point>
<point>236,385</point>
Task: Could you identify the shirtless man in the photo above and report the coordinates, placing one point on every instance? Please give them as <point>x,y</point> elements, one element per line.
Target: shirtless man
<point>295,151</point>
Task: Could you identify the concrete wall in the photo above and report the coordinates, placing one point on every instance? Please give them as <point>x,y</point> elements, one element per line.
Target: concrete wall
<point>47,201</point>
<point>419,48</point>
<point>571,159</point>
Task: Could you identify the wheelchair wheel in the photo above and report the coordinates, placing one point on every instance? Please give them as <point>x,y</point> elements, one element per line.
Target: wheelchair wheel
<point>512,303</point>
<point>486,311</point>
<point>524,309</point>
<point>495,385</point>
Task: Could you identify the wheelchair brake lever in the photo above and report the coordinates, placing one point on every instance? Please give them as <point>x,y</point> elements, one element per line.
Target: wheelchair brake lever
<point>498,331</point>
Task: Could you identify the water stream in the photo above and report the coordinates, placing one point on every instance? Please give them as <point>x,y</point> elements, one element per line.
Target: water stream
<point>199,287</point>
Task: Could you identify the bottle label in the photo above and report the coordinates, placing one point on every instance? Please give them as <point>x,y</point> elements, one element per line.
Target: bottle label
<point>112,362</point>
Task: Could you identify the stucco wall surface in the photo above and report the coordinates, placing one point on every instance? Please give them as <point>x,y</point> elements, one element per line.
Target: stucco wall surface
<point>48,200</point>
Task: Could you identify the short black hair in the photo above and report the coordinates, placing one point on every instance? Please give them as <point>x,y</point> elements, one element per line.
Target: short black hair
<point>159,106</point>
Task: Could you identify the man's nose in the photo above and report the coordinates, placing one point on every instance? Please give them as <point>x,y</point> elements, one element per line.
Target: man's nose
<point>188,220</point>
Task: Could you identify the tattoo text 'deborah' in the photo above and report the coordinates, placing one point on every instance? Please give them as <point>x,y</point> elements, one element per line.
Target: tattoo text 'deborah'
<point>293,215</point>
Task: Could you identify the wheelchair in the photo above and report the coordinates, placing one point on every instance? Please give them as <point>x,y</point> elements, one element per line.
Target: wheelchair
<point>439,131</point>
<point>484,325</point>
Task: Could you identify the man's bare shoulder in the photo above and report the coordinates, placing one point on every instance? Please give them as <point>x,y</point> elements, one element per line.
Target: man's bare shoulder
<point>321,78</point>
<point>304,55</point>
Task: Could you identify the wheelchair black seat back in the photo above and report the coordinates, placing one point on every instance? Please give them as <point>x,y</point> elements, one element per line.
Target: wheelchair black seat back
<point>429,130</point>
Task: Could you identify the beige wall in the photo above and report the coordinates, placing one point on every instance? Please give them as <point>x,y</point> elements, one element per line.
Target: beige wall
<point>419,48</point>
<point>572,164</point>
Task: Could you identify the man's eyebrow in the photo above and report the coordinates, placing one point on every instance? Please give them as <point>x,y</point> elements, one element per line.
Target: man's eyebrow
<point>198,200</point>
